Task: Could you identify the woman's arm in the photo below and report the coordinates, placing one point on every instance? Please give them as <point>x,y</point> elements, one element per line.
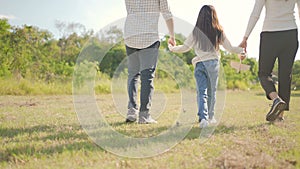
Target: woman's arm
<point>259,4</point>
<point>298,5</point>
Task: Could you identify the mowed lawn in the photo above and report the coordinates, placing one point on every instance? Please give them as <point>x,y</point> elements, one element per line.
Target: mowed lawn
<point>44,132</point>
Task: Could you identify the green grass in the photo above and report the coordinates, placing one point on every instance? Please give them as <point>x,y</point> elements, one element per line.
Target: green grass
<point>44,132</point>
<point>11,86</point>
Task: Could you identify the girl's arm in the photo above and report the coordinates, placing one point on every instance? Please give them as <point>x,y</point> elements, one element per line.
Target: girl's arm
<point>187,46</point>
<point>179,48</point>
<point>227,45</point>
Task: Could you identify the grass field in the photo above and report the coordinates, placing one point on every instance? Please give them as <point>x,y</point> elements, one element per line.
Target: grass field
<point>44,132</point>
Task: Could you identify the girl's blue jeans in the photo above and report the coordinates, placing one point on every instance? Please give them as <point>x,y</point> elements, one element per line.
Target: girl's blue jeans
<point>206,74</point>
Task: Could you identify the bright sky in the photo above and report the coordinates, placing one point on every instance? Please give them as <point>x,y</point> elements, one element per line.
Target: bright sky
<point>96,14</point>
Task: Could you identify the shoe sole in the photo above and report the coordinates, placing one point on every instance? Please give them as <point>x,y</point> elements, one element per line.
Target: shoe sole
<point>147,122</point>
<point>279,119</point>
<point>130,120</point>
<point>272,116</point>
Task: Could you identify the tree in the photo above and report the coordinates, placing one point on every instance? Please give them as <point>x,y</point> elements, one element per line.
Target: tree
<point>242,80</point>
<point>66,29</point>
<point>112,59</point>
<point>296,76</point>
<point>28,56</point>
<point>4,46</point>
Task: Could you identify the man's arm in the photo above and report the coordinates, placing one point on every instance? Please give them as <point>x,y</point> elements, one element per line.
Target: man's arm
<point>170,25</point>
<point>165,10</point>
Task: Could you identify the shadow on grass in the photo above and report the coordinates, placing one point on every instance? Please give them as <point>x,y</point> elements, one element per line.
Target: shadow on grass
<point>24,142</point>
<point>46,140</point>
<point>224,129</point>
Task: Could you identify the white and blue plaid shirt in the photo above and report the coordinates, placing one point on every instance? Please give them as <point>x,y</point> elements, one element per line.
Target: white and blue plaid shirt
<point>141,26</point>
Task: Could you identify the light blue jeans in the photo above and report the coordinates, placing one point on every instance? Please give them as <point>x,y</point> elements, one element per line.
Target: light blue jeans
<point>206,74</point>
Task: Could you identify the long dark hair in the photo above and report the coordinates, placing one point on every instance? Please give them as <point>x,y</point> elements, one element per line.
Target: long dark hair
<point>208,33</point>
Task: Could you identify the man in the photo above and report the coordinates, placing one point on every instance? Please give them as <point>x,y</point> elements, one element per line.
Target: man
<point>142,43</point>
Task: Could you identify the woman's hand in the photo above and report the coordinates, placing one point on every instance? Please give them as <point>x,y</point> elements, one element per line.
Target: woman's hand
<point>243,44</point>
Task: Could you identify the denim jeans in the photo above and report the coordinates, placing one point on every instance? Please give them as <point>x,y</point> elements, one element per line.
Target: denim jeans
<point>206,74</point>
<point>141,63</point>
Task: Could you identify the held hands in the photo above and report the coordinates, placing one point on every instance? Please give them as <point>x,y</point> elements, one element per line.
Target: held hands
<point>242,55</point>
<point>243,44</point>
<point>171,43</point>
<point>171,47</point>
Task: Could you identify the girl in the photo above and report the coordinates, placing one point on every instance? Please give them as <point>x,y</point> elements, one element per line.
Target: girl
<point>206,37</point>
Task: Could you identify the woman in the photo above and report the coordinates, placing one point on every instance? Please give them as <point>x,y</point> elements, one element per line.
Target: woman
<point>278,40</point>
<point>206,37</point>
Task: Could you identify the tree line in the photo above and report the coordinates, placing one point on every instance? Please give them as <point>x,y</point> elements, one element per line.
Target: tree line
<point>28,52</point>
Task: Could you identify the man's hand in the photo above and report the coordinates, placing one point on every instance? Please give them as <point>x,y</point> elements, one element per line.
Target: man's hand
<point>172,41</point>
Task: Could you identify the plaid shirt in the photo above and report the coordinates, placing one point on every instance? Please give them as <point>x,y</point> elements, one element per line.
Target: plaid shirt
<point>141,26</point>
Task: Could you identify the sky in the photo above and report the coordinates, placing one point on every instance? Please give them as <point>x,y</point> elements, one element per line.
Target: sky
<point>97,14</point>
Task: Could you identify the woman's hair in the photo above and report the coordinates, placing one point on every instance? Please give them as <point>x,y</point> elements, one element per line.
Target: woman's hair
<point>208,33</point>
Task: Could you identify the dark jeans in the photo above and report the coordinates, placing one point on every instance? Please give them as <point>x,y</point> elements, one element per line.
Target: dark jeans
<point>141,63</point>
<point>281,45</point>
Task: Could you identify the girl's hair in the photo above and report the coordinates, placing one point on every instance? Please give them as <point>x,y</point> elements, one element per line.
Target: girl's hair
<point>208,33</point>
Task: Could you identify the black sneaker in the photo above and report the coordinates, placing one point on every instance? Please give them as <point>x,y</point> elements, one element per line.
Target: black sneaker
<point>276,109</point>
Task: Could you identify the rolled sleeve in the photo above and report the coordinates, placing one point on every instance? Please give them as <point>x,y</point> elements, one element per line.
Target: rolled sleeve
<point>165,9</point>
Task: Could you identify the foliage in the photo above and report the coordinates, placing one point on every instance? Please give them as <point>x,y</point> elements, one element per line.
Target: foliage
<point>296,76</point>
<point>30,53</point>
<point>84,72</point>
<point>243,80</point>
<point>113,59</point>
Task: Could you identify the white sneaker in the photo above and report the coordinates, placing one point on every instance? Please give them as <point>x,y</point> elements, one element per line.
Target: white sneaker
<point>131,115</point>
<point>212,121</point>
<point>147,120</point>
<point>203,123</point>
